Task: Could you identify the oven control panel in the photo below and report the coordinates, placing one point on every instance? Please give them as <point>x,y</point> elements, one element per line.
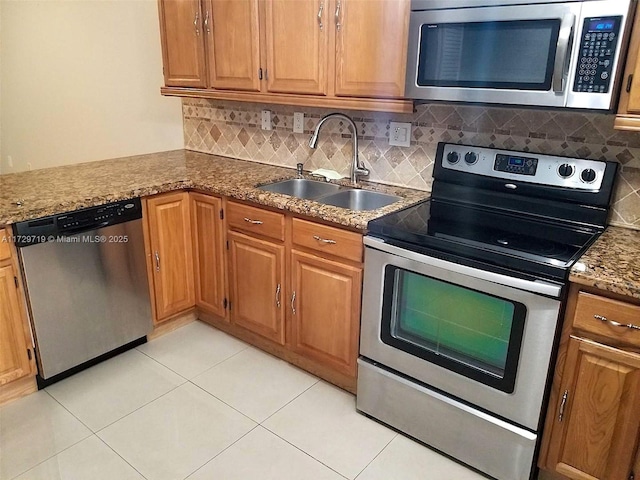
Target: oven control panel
<point>597,50</point>
<point>541,169</point>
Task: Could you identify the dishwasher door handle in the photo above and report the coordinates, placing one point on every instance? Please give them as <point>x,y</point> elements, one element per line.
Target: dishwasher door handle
<point>157,261</point>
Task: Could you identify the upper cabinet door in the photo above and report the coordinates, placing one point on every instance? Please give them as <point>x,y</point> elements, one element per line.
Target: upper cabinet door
<point>181,31</point>
<point>371,47</point>
<point>296,46</point>
<point>233,43</point>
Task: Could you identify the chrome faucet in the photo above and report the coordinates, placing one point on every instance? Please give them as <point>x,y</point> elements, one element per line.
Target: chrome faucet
<point>357,168</point>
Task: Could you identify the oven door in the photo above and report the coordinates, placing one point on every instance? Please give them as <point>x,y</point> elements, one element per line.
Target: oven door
<point>481,337</point>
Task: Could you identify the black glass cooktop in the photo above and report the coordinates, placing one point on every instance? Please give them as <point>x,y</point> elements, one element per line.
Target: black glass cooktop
<point>508,240</point>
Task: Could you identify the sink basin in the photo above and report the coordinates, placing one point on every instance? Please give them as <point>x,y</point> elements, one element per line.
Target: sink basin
<point>359,199</point>
<point>301,188</point>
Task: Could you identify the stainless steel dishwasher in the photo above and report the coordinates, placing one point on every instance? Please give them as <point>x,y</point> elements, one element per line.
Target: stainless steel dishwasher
<point>87,286</point>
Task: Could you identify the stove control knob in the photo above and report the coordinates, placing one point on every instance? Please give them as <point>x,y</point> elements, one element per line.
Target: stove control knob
<point>565,170</point>
<point>470,158</point>
<point>453,158</point>
<point>588,175</point>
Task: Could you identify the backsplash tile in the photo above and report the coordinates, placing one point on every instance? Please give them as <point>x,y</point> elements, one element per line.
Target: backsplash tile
<point>233,129</point>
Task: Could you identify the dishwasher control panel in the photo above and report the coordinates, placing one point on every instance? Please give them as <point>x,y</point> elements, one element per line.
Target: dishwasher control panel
<point>43,229</point>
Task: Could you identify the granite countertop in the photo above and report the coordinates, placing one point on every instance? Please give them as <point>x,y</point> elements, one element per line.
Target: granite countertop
<point>51,191</point>
<point>612,263</point>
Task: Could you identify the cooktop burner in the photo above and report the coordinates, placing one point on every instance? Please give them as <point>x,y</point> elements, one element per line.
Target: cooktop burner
<point>531,214</point>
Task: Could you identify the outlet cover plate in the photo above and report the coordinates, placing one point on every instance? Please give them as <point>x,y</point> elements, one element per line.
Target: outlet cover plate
<point>298,122</point>
<point>266,119</point>
<point>399,134</point>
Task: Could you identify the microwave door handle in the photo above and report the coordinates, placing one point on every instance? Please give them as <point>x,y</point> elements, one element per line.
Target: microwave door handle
<point>563,51</point>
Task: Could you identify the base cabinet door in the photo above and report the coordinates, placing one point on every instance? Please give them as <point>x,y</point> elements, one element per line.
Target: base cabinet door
<point>171,254</point>
<point>256,276</point>
<point>15,352</point>
<point>325,310</point>
<point>208,253</point>
<point>597,416</point>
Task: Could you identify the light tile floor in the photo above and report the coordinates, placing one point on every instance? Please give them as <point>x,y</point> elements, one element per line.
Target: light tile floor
<point>198,404</point>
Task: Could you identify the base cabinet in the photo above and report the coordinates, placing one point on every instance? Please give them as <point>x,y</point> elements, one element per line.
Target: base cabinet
<point>169,248</point>
<point>208,253</point>
<point>325,310</point>
<point>16,353</point>
<point>593,421</point>
<point>256,272</point>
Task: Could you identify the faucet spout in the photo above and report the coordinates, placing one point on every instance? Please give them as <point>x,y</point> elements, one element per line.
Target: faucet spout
<point>357,167</point>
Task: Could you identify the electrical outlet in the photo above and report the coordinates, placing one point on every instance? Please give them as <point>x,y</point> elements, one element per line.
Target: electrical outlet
<point>266,119</point>
<point>399,134</point>
<point>9,161</point>
<point>28,165</point>
<point>298,122</point>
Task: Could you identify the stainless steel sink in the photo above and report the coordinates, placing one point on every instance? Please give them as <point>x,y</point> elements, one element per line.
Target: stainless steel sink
<point>359,199</point>
<point>301,188</point>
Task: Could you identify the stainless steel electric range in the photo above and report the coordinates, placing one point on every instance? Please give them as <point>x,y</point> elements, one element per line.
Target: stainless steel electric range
<point>462,299</point>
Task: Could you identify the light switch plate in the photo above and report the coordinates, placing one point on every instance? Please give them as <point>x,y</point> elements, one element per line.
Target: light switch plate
<point>399,134</point>
<point>298,122</point>
<point>266,119</point>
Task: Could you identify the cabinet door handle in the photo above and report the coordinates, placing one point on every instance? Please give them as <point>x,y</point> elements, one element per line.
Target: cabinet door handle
<point>195,22</point>
<point>338,24</point>
<point>324,240</point>
<point>157,261</point>
<point>206,22</point>
<point>563,403</point>
<point>253,222</point>
<point>293,302</point>
<point>613,323</point>
<point>278,296</point>
<point>320,16</point>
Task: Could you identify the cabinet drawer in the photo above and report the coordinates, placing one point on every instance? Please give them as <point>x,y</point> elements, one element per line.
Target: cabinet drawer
<point>326,239</point>
<point>608,317</point>
<point>5,246</point>
<point>255,220</point>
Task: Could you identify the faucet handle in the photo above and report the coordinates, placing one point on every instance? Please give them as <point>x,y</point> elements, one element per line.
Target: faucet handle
<point>299,167</point>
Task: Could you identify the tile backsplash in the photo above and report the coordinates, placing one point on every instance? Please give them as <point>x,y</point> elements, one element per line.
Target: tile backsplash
<point>234,129</point>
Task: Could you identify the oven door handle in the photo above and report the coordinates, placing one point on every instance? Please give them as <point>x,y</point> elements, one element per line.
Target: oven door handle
<point>536,286</point>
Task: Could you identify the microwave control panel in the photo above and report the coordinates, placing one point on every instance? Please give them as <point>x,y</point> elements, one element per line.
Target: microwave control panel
<point>600,36</point>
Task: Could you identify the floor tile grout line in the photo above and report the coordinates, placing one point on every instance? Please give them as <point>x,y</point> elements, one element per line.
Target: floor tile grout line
<point>222,401</point>
<point>306,453</point>
<point>222,361</point>
<point>140,407</point>
<point>377,455</point>
<point>120,456</point>
<point>257,425</point>
<point>293,399</point>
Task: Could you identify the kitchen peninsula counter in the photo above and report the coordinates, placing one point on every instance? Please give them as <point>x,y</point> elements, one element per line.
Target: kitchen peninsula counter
<point>51,191</point>
<point>612,263</point>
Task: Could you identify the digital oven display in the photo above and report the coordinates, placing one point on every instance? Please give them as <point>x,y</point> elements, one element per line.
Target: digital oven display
<point>513,164</point>
<point>601,26</point>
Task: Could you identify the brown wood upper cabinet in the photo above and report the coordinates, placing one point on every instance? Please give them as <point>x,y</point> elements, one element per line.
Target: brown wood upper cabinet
<point>593,421</point>
<point>287,51</point>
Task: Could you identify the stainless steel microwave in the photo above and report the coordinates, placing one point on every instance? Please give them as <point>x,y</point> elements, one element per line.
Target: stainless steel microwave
<point>551,53</point>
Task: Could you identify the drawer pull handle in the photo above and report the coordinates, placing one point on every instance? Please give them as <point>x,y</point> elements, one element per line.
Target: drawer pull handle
<point>562,405</point>
<point>253,222</point>
<point>293,303</point>
<point>157,261</point>
<point>278,296</point>
<point>324,240</point>
<point>613,323</point>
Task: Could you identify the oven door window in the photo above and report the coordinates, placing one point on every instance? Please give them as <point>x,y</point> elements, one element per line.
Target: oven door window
<point>469,332</point>
<point>516,55</point>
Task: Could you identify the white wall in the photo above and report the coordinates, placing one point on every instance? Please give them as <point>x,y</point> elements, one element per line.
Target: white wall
<point>80,81</point>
